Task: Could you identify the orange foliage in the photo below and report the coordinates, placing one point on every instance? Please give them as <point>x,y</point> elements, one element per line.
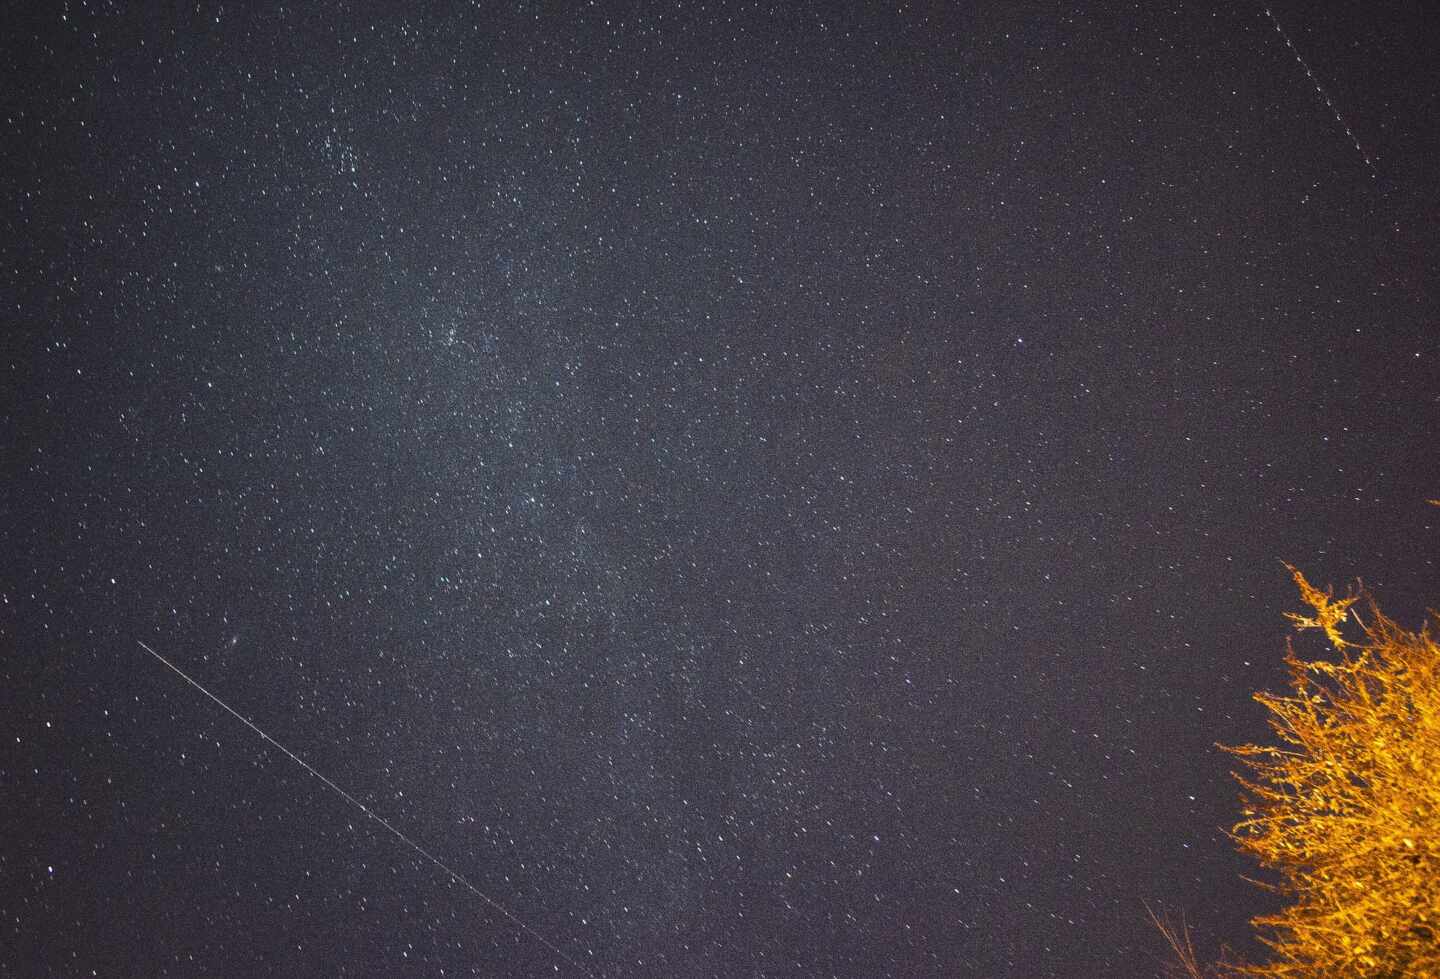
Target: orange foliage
<point>1346,809</point>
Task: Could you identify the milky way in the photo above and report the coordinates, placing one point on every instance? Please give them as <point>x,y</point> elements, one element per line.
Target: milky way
<point>750,491</point>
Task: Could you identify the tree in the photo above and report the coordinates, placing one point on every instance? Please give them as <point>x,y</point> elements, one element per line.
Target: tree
<point>1345,809</point>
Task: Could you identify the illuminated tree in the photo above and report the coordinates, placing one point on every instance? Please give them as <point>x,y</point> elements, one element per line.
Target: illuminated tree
<point>1346,808</point>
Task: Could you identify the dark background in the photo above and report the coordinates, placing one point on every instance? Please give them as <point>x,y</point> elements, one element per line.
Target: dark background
<point>759,491</point>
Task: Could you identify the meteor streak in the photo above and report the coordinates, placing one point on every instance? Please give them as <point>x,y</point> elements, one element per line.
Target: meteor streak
<point>453,875</point>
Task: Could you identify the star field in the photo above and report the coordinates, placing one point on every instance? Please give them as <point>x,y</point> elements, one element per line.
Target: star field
<point>757,490</point>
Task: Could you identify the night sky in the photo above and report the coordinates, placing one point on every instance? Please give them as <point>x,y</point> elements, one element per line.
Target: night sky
<point>758,491</point>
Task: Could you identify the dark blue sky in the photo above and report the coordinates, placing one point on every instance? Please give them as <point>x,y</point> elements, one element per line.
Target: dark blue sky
<point>758,491</point>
